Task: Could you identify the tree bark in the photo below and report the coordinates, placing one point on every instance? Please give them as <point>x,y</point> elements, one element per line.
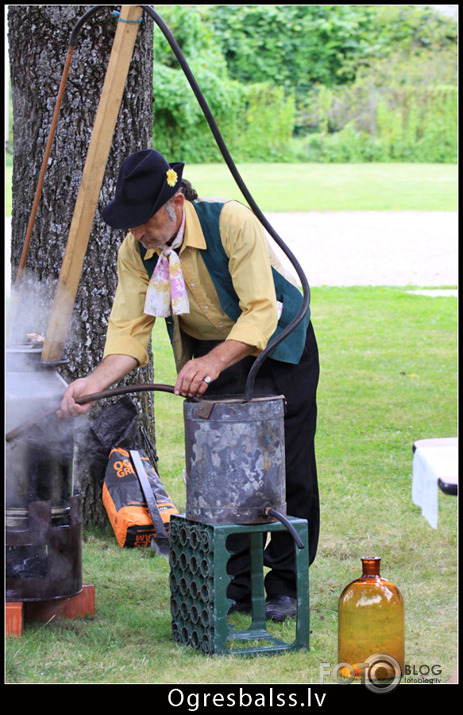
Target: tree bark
<point>39,37</point>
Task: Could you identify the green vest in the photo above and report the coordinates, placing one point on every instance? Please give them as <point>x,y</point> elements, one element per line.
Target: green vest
<point>216,261</point>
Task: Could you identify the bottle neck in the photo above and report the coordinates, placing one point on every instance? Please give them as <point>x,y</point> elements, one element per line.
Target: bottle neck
<point>371,566</point>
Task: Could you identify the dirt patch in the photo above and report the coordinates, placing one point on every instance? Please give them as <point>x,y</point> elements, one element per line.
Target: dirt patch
<point>373,248</point>
<point>403,248</point>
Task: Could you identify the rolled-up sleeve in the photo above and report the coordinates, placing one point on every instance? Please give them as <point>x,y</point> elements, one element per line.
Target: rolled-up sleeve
<point>129,328</point>
<point>245,243</point>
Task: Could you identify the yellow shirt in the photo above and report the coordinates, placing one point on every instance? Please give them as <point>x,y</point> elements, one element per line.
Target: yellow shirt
<point>250,260</point>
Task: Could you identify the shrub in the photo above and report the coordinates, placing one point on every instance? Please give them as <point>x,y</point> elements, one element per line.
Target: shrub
<point>255,121</point>
<point>412,124</point>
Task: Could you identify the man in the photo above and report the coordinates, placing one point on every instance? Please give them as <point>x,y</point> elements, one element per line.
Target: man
<point>206,267</point>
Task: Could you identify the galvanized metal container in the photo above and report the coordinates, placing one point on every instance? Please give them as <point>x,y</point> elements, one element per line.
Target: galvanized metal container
<point>235,459</point>
<point>42,513</point>
<point>39,461</point>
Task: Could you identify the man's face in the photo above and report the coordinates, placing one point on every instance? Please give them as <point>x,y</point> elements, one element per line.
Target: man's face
<point>157,231</point>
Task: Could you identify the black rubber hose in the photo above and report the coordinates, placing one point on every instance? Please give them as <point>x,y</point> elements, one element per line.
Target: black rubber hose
<point>113,392</point>
<point>124,390</point>
<point>234,171</point>
<point>231,165</point>
<point>80,23</point>
<point>273,512</point>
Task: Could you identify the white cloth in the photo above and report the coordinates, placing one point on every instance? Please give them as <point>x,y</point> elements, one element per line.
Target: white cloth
<point>166,291</point>
<point>433,459</point>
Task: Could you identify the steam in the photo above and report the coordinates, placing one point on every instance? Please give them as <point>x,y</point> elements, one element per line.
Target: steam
<point>28,309</point>
<point>38,460</point>
<point>33,390</point>
<point>29,389</point>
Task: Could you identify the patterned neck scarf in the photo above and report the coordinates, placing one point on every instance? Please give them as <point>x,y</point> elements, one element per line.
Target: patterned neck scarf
<point>166,292</point>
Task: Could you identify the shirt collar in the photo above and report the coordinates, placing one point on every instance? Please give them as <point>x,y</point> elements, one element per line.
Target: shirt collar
<point>194,237</point>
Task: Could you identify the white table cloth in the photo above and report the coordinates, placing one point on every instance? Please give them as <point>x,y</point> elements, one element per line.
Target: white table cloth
<point>433,459</point>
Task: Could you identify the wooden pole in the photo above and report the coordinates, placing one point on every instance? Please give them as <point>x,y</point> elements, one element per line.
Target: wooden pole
<point>92,178</point>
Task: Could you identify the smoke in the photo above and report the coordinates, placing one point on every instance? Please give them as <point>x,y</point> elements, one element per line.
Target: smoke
<point>28,309</point>
<point>38,460</point>
<point>30,389</point>
<point>36,457</point>
<point>45,443</point>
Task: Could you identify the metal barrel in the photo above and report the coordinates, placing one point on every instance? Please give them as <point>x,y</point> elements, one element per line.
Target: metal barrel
<point>235,459</point>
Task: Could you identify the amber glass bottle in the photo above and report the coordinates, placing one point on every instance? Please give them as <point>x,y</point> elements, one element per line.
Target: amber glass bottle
<point>370,622</point>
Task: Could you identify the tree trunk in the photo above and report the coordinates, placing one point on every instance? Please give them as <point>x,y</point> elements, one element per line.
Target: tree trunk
<point>39,38</point>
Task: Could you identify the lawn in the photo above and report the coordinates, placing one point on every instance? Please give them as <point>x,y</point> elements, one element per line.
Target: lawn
<point>388,378</point>
<point>334,187</point>
<point>325,187</point>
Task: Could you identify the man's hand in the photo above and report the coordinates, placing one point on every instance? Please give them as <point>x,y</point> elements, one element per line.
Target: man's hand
<point>111,369</point>
<point>194,377</point>
<point>196,374</point>
<point>69,407</point>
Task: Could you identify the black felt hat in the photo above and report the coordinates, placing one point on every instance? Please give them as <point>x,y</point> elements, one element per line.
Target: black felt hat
<point>145,183</point>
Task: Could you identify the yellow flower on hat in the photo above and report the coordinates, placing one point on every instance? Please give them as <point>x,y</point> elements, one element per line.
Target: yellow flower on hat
<point>171,177</point>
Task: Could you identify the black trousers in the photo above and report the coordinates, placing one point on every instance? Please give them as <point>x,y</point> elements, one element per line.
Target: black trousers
<point>298,383</point>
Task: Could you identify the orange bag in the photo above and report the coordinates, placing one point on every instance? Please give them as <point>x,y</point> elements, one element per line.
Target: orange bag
<point>136,501</point>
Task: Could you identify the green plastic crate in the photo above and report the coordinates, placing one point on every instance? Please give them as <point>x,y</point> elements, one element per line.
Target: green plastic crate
<point>198,587</point>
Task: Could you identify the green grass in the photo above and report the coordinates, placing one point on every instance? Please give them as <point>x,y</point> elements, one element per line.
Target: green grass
<point>388,378</point>
<point>325,187</point>
<point>334,187</point>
